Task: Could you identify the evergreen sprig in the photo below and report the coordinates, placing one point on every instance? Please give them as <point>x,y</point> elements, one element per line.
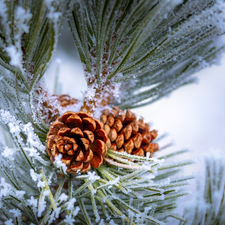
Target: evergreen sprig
<point>123,45</point>
<point>209,205</point>
<point>152,44</point>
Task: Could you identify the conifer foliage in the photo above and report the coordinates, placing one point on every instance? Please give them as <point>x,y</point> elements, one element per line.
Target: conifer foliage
<point>133,52</point>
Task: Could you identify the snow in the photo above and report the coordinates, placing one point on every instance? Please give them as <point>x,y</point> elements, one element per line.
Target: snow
<point>113,182</point>
<point>34,175</point>
<point>9,222</point>
<point>92,176</point>
<point>32,202</point>
<point>52,14</point>
<point>54,215</point>
<point>6,188</point>
<point>63,197</point>
<point>75,212</point>
<point>8,152</point>
<point>22,17</point>
<point>20,194</point>
<point>15,55</point>
<point>70,205</point>
<point>59,164</point>
<point>41,184</point>
<point>111,222</point>
<point>69,220</point>
<point>16,212</point>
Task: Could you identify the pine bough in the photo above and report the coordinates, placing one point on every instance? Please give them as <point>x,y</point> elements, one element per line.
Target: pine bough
<point>139,49</point>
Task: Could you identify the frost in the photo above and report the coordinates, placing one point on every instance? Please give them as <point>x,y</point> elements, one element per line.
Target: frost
<point>70,205</point>
<point>52,14</point>
<point>8,152</point>
<point>34,175</point>
<point>32,140</point>
<point>22,18</point>
<point>16,212</point>
<point>6,188</point>
<point>46,192</point>
<point>9,222</point>
<point>42,202</point>
<point>15,56</point>
<point>69,220</point>
<point>63,197</point>
<point>113,182</point>
<point>102,222</point>
<point>20,194</point>
<point>92,176</point>
<point>111,222</point>
<point>14,129</point>
<point>59,164</point>
<point>54,215</point>
<point>41,184</point>
<point>75,212</point>
<point>32,202</point>
<point>41,206</point>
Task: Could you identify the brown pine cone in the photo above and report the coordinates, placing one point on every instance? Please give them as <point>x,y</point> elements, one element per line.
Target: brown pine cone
<point>66,100</point>
<point>80,139</point>
<point>126,133</point>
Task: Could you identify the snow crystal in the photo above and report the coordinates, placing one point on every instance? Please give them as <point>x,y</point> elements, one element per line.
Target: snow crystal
<point>6,188</point>
<point>9,222</point>
<point>32,202</point>
<point>54,215</point>
<point>42,202</point>
<point>63,197</point>
<point>111,222</point>
<point>34,175</point>
<point>69,220</point>
<point>14,129</point>
<point>46,192</point>
<point>102,222</point>
<point>20,194</point>
<point>15,56</point>
<point>22,17</point>
<point>92,176</point>
<point>8,152</point>
<point>16,212</point>
<point>75,212</point>
<point>70,205</point>
<point>32,139</point>
<point>53,15</point>
<point>113,182</point>
<point>59,164</point>
<point>41,184</point>
<point>41,206</point>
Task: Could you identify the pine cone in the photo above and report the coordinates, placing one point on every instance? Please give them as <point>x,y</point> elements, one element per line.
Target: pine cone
<point>66,100</point>
<point>125,133</point>
<point>80,139</point>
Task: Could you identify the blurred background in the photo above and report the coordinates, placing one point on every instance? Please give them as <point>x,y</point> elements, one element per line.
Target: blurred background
<point>193,116</point>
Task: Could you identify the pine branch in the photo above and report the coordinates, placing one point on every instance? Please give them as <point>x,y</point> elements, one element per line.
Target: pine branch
<point>207,205</point>
<point>122,45</point>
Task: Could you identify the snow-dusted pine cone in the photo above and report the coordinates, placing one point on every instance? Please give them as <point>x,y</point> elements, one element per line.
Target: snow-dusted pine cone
<point>80,139</point>
<point>126,133</point>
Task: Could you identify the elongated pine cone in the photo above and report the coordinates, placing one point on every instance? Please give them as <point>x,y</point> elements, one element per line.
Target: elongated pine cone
<point>80,139</point>
<point>126,133</point>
